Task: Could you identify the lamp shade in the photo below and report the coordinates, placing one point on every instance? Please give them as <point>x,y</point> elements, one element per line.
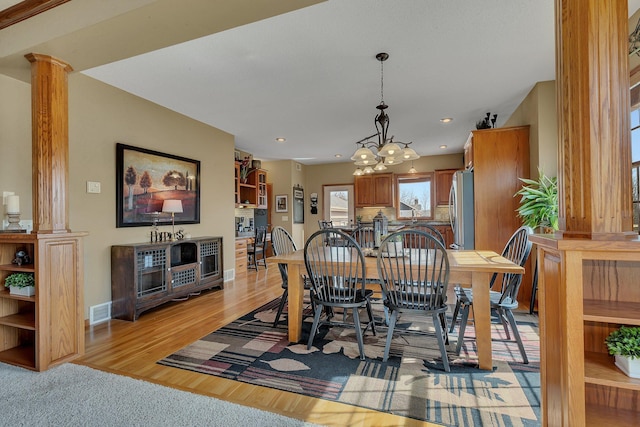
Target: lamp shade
<point>409,154</point>
<point>363,153</point>
<point>172,206</point>
<point>390,149</point>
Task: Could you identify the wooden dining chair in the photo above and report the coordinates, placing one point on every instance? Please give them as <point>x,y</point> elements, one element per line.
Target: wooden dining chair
<point>257,251</point>
<point>364,236</point>
<point>416,282</point>
<point>282,244</point>
<point>337,275</point>
<point>430,229</point>
<point>504,294</point>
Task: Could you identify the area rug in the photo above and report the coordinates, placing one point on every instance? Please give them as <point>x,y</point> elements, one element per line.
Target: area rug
<point>412,383</point>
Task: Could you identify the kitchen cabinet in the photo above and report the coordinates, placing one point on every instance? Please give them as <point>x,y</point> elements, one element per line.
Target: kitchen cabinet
<point>241,258</point>
<point>145,275</point>
<point>447,233</point>
<point>374,190</point>
<point>253,191</point>
<point>47,329</point>
<point>443,178</point>
<point>500,158</point>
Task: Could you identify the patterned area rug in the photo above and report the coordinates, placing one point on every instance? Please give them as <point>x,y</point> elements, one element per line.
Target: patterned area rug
<point>412,383</point>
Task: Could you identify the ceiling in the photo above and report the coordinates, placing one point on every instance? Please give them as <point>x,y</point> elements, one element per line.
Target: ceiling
<point>311,76</point>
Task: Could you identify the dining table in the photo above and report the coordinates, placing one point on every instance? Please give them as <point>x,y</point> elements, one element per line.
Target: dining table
<point>468,268</point>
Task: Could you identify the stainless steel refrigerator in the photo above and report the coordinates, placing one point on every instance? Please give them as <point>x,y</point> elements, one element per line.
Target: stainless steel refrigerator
<point>461,210</point>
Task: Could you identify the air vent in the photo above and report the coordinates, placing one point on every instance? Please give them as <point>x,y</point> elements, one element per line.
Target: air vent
<point>99,313</point>
<point>229,274</point>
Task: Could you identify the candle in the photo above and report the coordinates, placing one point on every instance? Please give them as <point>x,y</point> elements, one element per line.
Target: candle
<point>13,204</point>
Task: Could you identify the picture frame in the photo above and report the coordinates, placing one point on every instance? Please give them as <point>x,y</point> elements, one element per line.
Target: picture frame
<point>298,205</point>
<point>282,203</point>
<point>146,178</point>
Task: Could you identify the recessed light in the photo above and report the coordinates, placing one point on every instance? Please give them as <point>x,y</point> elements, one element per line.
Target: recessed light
<point>281,139</point>
<point>446,120</point>
<point>338,155</point>
<point>443,146</point>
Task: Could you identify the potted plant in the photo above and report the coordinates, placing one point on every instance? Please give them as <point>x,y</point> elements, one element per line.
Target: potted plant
<point>21,284</point>
<point>539,202</point>
<point>624,344</point>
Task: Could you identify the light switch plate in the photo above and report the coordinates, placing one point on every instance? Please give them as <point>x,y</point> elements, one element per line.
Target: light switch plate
<point>285,218</point>
<point>93,187</point>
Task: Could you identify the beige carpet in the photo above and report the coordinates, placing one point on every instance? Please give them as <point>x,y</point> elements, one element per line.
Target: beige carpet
<point>74,395</point>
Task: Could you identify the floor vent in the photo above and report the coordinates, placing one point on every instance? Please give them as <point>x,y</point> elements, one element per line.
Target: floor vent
<point>99,313</point>
<point>229,274</point>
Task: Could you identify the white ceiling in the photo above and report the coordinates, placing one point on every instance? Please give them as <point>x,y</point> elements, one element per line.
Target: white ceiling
<point>311,75</point>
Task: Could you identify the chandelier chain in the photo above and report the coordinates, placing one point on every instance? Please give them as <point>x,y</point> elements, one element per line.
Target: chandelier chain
<point>381,82</point>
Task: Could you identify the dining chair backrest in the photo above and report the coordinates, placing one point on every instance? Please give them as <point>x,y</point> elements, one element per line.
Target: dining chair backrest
<point>430,229</point>
<point>336,273</point>
<point>364,236</point>
<point>261,237</point>
<point>517,250</point>
<point>416,279</point>
<point>281,241</point>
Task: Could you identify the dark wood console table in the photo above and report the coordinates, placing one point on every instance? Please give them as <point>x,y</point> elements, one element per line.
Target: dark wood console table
<point>145,275</point>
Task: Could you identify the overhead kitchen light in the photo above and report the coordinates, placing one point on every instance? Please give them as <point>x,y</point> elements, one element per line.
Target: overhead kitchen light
<point>374,156</point>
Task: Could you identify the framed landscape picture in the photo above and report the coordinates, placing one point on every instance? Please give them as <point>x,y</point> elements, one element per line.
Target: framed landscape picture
<point>146,178</point>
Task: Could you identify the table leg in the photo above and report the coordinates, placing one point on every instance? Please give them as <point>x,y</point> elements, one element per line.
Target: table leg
<point>296,293</point>
<point>482,318</point>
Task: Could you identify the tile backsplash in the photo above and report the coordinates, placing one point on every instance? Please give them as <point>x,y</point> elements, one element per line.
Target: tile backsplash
<point>441,213</point>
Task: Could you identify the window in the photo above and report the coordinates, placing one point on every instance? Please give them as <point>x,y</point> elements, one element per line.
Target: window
<point>414,196</point>
<point>338,204</point>
<point>635,165</point>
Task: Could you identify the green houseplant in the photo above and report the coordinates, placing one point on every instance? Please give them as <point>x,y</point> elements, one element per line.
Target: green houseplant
<point>21,283</point>
<point>539,202</point>
<point>624,344</point>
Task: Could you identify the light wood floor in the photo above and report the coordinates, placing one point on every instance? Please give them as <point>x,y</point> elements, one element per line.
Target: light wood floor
<point>133,348</point>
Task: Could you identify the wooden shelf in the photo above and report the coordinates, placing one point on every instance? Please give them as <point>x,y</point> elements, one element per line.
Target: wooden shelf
<point>28,268</point>
<point>598,416</point>
<point>20,320</point>
<point>24,356</point>
<point>600,369</point>
<point>620,312</point>
<point>4,293</point>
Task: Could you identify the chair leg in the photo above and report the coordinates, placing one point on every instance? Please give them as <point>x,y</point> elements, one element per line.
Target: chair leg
<point>455,316</point>
<point>443,322</point>
<point>392,325</point>
<point>463,325</point>
<point>440,332</point>
<point>283,301</point>
<point>314,326</point>
<point>504,321</point>
<point>356,321</point>
<point>516,334</point>
<point>371,319</point>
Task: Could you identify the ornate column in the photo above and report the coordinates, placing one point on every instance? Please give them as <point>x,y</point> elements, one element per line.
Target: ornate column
<point>50,143</point>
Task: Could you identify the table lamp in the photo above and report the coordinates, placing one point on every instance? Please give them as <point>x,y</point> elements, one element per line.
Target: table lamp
<point>172,206</point>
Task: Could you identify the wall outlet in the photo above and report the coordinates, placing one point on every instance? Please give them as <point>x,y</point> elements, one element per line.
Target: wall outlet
<point>93,187</point>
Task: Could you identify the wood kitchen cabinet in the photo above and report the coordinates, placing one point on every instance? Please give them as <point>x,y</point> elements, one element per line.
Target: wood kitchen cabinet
<point>500,157</point>
<point>253,192</point>
<point>443,178</point>
<point>374,190</point>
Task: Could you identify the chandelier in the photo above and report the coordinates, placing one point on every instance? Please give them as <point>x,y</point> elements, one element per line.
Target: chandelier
<point>374,155</point>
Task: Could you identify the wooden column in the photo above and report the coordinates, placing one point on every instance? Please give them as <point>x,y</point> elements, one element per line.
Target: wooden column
<point>50,143</point>
<point>592,75</point>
